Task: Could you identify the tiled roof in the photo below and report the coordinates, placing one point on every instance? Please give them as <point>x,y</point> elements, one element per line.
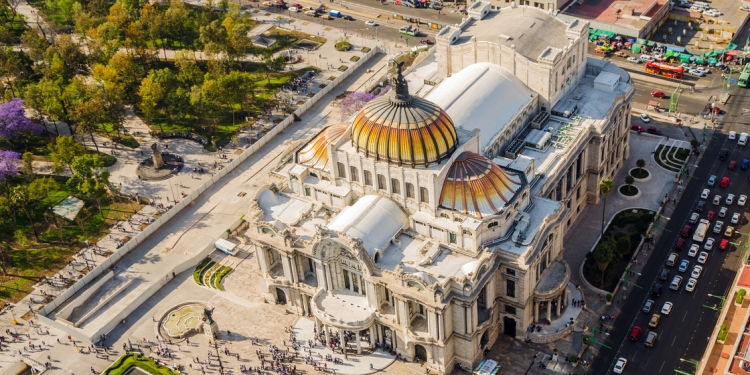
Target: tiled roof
<point>315,153</point>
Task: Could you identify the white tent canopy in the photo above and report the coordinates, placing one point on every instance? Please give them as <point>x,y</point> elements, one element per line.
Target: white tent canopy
<point>226,246</point>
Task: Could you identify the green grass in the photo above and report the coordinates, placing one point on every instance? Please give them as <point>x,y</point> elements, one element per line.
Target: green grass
<point>343,68</point>
<point>354,58</point>
<point>127,140</point>
<point>124,363</point>
<point>366,49</point>
<point>199,270</point>
<point>219,275</point>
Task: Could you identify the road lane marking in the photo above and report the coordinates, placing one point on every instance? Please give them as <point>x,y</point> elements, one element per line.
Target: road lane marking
<point>684,317</point>
<point>662,366</point>
<point>674,339</point>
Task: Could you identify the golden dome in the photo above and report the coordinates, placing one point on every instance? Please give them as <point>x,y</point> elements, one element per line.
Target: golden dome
<point>477,186</point>
<point>315,153</point>
<point>404,130</point>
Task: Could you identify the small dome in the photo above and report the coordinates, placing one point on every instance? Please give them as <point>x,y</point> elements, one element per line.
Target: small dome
<point>477,186</point>
<point>315,153</point>
<point>404,130</point>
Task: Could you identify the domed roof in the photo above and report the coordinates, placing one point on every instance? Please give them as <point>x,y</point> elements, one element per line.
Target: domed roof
<point>477,186</point>
<point>404,130</point>
<point>315,153</point>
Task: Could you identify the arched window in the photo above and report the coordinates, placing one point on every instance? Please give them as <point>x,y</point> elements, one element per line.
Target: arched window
<point>368,178</point>
<point>424,196</point>
<point>395,186</point>
<point>409,190</point>
<point>381,182</point>
<point>354,174</point>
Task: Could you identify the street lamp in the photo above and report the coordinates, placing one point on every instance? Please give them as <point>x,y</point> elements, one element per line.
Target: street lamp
<point>694,363</point>
<point>723,301</point>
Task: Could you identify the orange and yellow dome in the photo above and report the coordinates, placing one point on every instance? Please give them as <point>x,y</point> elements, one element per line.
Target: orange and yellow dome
<point>477,186</point>
<point>315,153</point>
<point>404,130</point>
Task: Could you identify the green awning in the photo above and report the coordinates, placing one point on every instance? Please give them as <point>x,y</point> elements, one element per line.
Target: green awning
<point>650,43</point>
<point>712,61</point>
<point>731,47</point>
<point>669,54</point>
<point>684,57</point>
<point>636,48</point>
<point>641,41</point>
<point>699,60</point>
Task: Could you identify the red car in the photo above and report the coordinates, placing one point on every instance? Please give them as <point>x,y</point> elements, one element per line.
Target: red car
<point>724,244</point>
<point>658,94</point>
<point>653,130</point>
<point>638,128</point>
<point>680,244</point>
<point>635,333</point>
<point>297,6</point>
<point>710,216</point>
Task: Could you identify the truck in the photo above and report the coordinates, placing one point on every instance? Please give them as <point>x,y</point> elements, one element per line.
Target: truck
<point>700,232</point>
<point>409,30</point>
<point>335,13</point>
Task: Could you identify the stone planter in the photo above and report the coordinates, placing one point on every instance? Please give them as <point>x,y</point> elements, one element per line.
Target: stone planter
<point>641,179</point>
<point>629,197</point>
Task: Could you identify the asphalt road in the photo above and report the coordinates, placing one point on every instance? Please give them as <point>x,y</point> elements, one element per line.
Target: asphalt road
<point>683,334</point>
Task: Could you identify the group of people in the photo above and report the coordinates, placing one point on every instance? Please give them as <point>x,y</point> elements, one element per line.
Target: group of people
<point>297,85</point>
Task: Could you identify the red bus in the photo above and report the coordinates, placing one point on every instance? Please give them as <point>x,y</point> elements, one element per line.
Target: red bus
<point>664,70</point>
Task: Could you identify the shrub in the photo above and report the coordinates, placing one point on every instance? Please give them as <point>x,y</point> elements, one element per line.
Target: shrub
<point>610,297</point>
<point>573,359</point>
<point>723,332</point>
<point>198,270</point>
<point>740,296</point>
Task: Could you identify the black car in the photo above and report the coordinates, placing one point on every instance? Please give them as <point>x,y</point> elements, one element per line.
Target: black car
<point>664,274</point>
<point>723,154</point>
<point>348,18</point>
<point>656,290</point>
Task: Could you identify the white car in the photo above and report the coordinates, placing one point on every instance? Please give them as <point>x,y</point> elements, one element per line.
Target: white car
<point>620,365</point>
<point>715,11</point>
<point>694,217</point>
<point>690,286</point>
<point>685,66</point>
<point>293,9</point>
<point>634,60</point>
<point>702,257</point>
<point>717,200</point>
<point>730,199</point>
<point>732,135</point>
<point>718,226</point>
<point>696,72</point>
<point>709,244</point>
<point>742,200</point>
<point>735,218</point>
<point>645,118</point>
<point>705,193</point>
<point>723,212</point>
<point>746,8</point>
<point>696,272</point>
<point>667,308</point>
<point>370,23</point>
<point>693,250</point>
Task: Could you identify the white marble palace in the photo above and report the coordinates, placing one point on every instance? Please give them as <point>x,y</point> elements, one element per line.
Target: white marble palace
<point>432,221</point>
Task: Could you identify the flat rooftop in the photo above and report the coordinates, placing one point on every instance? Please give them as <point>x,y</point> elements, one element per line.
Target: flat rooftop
<point>411,253</point>
<point>631,14</point>
<point>530,30</point>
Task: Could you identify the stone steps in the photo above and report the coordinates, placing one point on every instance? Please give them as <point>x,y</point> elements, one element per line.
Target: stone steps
<point>557,364</point>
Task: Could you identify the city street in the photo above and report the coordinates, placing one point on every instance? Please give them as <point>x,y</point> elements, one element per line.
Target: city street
<point>683,334</point>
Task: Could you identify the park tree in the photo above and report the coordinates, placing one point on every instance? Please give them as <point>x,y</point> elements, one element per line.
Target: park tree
<point>176,18</point>
<point>606,186</point>
<point>67,52</point>
<point>8,165</point>
<point>189,73</point>
<point>603,254</point>
<point>272,64</point>
<point>90,110</point>
<point>62,8</point>
<point>236,88</point>
<point>623,244</point>
<point>132,7</point>
<point>14,123</point>
<point>27,165</point>
<point>56,98</point>
<point>213,36</point>
<point>34,44</point>
<point>83,21</point>
<point>63,151</point>
<point>15,69</point>
<point>151,95</point>
<point>90,178</point>
<point>153,24</point>
<point>629,180</point>
<point>694,142</point>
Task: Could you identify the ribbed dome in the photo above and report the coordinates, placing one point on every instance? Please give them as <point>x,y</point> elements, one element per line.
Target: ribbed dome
<point>404,130</point>
<point>315,153</point>
<point>477,186</point>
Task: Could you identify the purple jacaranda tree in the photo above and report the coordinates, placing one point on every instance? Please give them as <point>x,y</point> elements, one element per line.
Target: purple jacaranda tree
<point>9,162</point>
<point>13,121</point>
<point>353,102</point>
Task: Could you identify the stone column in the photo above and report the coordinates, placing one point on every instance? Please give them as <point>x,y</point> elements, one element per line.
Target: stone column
<point>351,281</point>
<point>328,335</point>
<point>536,311</point>
<point>329,284</point>
<point>379,330</point>
<point>260,252</point>
<point>559,304</point>
<point>359,345</point>
<point>441,333</point>
<point>549,310</point>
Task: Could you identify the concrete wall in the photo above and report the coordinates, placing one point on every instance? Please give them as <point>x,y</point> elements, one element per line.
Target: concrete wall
<point>153,227</point>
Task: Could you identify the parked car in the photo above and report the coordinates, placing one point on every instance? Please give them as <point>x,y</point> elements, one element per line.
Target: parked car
<point>705,193</point>
<point>653,130</point>
<point>732,135</point>
<point>635,333</point>
<point>723,212</point>
<point>634,60</point>
<point>696,272</point>
<point>654,320</point>
<point>717,200</point>
<point>711,180</point>
<point>658,94</point>
<point>370,23</point>
<point>709,244</point>
<point>724,244</point>
<point>694,218</point>
<point>718,226</point>
<point>702,257</point>
<point>735,218</point>
<point>699,206</point>
<point>651,338</point>
<point>675,284</point>
<point>730,199</point>
<point>664,274</point>
<point>667,308</point>
<point>729,232</point>
<point>710,215</point>
<point>732,165</point>
<point>742,200</point>
<point>637,128</point>
<point>680,244</point>
<point>724,182</point>
<point>684,265</point>
<point>620,365</point>
<point>723,154</point>
<point>693,251</point>
<point>696,72</point>
<point>745,8</point>
<point>690,286</point>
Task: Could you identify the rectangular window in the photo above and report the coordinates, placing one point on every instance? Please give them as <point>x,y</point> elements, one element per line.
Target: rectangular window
<point>510,271</point>
<point>395,186</point>
<point>307,191</point>
<point>510,310</point>
<point>423,195</point>
<point>342,169</point>
<point>381,182</point>
<point>452,237</point>
<point>354,174</point>
<point>409,190</point>
<point>368,178</point>
<point>510,288</point>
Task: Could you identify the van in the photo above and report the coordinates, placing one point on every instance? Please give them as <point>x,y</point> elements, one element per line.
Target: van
<point>742,140</point>
<point>702,5</point>
<point>651,339</point>
<point>646,58</point>
<point>672,259</point>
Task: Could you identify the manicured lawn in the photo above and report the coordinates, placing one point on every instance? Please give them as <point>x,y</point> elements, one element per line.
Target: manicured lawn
<point>124,363</point>
<point>285,39</point>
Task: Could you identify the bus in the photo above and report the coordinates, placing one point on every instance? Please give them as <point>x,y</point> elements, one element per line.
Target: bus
<point>744,76</point>
<point>665,70</point>
<point>700,232</point>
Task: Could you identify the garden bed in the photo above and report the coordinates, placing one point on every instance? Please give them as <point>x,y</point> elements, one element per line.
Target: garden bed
<point>123,364</point>
<point>629,191</point>
<point>640,173</point>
